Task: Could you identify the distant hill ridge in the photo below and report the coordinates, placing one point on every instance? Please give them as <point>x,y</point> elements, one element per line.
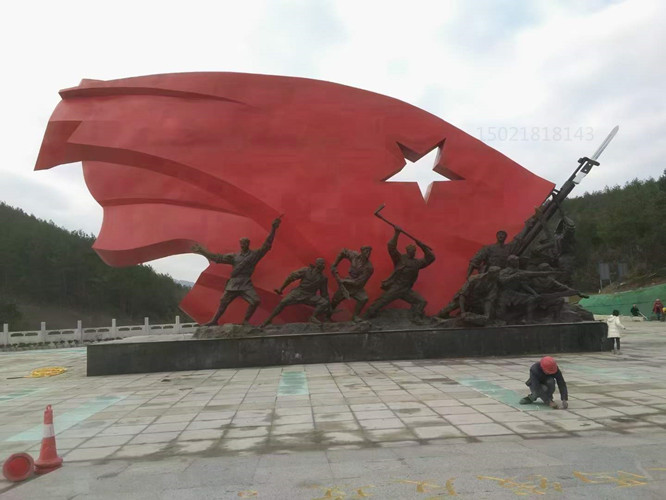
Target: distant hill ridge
<point>620,224</point>
<point>46,268</point>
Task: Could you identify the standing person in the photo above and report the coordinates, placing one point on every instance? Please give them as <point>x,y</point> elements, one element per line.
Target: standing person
<point>312,281</point>
<point>658,309</point>
<point>352,287</point>
<point>614,325</point>
<point>240,282</point>
<point>543,376</point>
<point>405,273</point>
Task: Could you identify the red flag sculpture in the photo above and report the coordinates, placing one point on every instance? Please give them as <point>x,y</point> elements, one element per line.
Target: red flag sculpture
<point>213,157</point>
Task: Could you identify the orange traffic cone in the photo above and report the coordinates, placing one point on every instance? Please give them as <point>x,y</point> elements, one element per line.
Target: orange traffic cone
<point>18,467</point>
<point>48,456</point>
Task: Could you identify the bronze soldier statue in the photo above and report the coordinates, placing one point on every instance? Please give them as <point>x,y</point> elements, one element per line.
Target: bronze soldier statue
<point>312,281</point>
<point>557,248</point>
<point>240,282</point>
<point>551,292</point>
<point>352,287</point>
<point>491,255</point>
<point>405,273</point>
<point>478,295</point>
<point>516,292</point>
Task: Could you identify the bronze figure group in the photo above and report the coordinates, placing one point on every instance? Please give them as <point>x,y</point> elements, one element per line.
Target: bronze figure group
<point>506,288</point>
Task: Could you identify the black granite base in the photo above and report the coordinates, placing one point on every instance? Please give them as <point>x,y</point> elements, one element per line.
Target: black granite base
<point>114,358</point>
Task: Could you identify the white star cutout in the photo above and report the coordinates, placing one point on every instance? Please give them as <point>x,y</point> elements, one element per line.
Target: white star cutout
<point>421,171</point>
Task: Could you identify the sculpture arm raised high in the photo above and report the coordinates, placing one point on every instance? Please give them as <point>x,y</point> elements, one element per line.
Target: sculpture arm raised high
<point>268,244</point>
<point>392,246</point>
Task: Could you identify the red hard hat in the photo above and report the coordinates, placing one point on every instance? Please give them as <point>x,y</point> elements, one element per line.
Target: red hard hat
<point>548,365</point>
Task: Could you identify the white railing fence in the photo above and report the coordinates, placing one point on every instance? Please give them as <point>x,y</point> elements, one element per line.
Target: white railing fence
<point>80,335</point>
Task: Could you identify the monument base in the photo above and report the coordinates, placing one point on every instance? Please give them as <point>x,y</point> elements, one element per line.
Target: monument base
<point>181,352</point>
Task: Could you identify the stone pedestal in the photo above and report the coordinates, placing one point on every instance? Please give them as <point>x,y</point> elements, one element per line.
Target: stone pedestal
<point>181,352</point>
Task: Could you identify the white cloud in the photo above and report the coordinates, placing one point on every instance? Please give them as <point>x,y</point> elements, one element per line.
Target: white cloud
<point>503,64</point>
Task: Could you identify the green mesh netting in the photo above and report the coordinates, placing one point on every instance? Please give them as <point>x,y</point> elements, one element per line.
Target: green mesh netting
<point>622,301</point>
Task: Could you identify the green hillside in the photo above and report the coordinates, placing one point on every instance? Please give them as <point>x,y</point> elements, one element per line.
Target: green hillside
<point>621,224</point>
<point>50,274</point>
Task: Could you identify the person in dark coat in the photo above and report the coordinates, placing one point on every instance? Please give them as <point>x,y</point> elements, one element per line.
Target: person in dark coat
<point>543,377</point>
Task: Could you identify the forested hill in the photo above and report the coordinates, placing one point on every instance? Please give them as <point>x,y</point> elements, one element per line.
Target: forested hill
<point>621,224</point>
<point>42,266</point>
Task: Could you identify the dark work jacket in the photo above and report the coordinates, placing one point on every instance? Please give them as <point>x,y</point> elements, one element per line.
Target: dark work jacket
<point>538,376</point>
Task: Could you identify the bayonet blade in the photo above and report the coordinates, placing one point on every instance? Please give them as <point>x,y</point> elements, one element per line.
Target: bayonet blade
<point>605,143</point>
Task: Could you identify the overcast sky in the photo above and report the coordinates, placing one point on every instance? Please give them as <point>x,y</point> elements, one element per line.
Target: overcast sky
<point>541,81</point>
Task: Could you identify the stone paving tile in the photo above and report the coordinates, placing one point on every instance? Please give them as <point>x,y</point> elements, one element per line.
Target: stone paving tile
<point>154,437</point>
<point>382,423</point>
<point>250,422</point>
<point>136,420</point>
<point>356,408</point>
<point>495,408</point>
<point>414,412</point>
<point>200,434</point>
<point>437,431</point>
<point>103,441</point>
<point>207,414</point>
<point>194,446</point>
<point>85,454</point>
<point>247,432</point>
<point>657,419</point>
<point>292,429</point>
<point>577,424</point>
<point>293,419</point>
<point>341,425</point>
<point>511,416</point>
<point>139,450</point>
<point>438,403</point>
<point>350,437</point>
<point>484,429</point>
<point>207,424</point>
<point>533,427</point>
<point>122,429</point>
<point>243,444</point>
<point>184,417</point>
<point>424,420</point>
<point>329,409</point>
<point>333,417</point>
<point>383,435</point>
<point>299,410</point>
<point>594,413</point>
<point>454,410</point>
<point>468,418</point>
<point>371,415</point>
<point>170,427</point>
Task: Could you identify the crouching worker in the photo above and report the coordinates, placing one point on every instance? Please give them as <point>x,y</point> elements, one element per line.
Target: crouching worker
<point>543,376</point>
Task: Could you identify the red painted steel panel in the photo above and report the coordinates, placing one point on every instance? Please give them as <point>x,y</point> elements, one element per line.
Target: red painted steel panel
<point>212,157</point>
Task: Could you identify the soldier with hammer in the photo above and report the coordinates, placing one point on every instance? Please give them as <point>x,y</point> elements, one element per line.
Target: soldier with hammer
<point>405,273</point>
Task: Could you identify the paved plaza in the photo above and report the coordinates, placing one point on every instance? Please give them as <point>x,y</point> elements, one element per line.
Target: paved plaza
<point>397,429</point>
